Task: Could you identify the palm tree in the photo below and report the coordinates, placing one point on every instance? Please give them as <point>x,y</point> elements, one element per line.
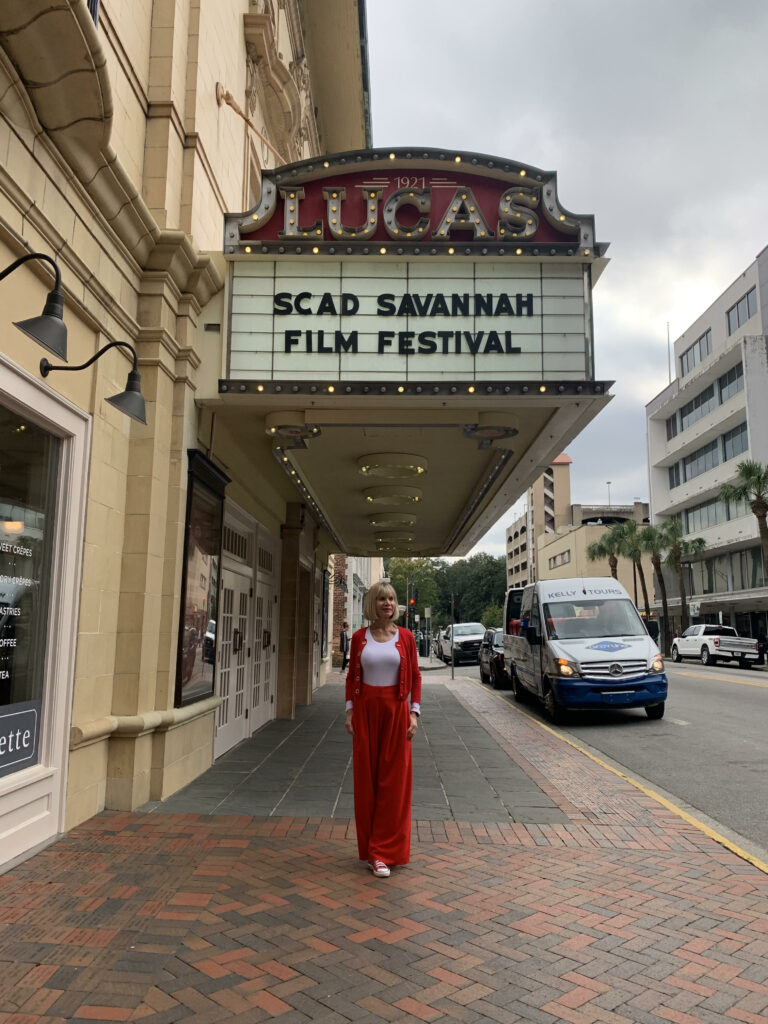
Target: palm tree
<point>752,486</point>
<point>680,550</point>
<point>608,546</point>
<point>632,548</point>
<point>653,543</point>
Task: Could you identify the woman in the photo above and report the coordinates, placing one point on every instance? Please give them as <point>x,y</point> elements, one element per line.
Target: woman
<point>383,693</point>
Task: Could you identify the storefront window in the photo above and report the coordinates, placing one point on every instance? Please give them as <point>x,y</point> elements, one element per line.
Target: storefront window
<point>29,462</point>
<point>196,662</point>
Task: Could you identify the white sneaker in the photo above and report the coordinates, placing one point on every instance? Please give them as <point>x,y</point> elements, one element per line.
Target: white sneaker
<point>379,868</point>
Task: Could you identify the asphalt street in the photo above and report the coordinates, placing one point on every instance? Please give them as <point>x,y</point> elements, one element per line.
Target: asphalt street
<point>709,752</point>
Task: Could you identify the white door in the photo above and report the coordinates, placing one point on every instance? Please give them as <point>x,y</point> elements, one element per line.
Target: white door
<point>264,655</point>
<point>232,643</point>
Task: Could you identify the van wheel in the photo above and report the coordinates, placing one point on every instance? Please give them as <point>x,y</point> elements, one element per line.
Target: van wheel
<point>552,707</point>
<point>655,711</point>
<point>676,654</point>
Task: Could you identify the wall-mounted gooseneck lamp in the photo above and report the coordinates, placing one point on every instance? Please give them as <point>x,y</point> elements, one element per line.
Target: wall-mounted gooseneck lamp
<point>130,401</point>
<point>48,329</point>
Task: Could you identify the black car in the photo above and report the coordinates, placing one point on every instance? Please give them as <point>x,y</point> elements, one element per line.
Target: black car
<point>490,657</point>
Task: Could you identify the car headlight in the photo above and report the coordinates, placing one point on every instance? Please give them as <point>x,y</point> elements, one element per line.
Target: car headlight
<point>568,668</point>
<point>657,665</point>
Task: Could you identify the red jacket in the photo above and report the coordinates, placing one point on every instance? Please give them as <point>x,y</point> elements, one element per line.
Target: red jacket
<point>410,677</point>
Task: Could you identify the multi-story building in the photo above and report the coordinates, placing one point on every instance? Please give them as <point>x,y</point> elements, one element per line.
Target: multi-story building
<point>563,554</point>
<point>712,416</point>
<point>547,509</point>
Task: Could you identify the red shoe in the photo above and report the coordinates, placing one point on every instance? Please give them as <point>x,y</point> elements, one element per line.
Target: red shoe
<point>379,868</point>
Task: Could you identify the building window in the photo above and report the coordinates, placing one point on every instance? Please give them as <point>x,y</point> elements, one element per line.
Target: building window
<point>735,442</point>
<point>31,458</point>
<point>745,308</point>
<point>699,406</point>
<point>674,476</point>
<point>701,461</point>
<point>672,426</point>
<point>698,351</point>
<point>731,383</point>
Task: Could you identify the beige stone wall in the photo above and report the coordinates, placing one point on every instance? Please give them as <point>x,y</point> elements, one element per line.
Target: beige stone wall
<point>575,542</point>
<point>126,32</point>
<point>127,188</point>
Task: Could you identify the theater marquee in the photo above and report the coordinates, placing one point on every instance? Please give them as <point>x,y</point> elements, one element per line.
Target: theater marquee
<point>412,267</point>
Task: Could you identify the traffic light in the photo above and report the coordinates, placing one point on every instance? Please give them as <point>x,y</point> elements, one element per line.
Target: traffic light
<point>412,601</point>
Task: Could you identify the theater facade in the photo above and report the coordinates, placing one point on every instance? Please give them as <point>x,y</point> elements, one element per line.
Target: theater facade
<point>378,357</point>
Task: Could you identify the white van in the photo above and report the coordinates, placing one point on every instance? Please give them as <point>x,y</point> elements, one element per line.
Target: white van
<point>581,644</point>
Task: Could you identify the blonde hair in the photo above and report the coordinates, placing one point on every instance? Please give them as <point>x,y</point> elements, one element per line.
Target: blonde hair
<point>371,596</point>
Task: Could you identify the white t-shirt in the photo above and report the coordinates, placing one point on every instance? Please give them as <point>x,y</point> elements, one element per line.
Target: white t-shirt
<point>380,661</point>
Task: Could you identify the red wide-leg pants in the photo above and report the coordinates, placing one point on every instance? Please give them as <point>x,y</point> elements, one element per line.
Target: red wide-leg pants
<point>382,768</point>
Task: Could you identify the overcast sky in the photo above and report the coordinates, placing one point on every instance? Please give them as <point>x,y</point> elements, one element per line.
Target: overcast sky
<point>652,112</point>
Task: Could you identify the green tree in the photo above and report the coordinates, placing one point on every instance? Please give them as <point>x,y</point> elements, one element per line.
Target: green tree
<point>492,615</point>
<point>631,547</point>
<point>608,546</point>
<point>653,543</point>
<point>680,550</point>
<point>751,486</point>
<point>419,573</point>
<point>474,583</point>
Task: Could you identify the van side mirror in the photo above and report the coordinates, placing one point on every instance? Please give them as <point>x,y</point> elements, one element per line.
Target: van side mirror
<point>532,636</point>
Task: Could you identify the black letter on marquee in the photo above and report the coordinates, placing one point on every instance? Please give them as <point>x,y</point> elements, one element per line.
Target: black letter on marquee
<point>350,304</point>
<point>299,300</point>
<point>327,305</point>
<point>386,304</point>
<point>282,304</point>
<point>385,338</point>
<point>503,306</point>
<point>291,339</point>
<point>525,304</point>
<point>346,344</point>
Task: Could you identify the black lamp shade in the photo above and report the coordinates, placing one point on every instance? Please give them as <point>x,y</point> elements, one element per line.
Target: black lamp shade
<point>49,329</point>
<point>131,401</point>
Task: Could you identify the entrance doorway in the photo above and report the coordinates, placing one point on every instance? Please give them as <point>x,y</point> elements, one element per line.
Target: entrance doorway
<point>233,655</point>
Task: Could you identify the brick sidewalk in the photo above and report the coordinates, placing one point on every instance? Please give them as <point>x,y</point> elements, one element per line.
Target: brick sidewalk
<point>623,912</point>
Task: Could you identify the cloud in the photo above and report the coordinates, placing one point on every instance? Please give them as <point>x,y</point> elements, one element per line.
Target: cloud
<point>651,113</point>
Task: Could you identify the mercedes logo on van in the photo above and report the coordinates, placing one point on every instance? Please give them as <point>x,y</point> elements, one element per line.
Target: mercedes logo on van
<point>616,669</point>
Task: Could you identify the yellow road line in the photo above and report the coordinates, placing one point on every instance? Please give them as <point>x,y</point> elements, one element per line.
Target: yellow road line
<point>761,865</point>
<point>723,679</point>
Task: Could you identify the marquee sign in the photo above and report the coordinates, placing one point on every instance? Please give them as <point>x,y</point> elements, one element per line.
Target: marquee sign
<point>415,266</point>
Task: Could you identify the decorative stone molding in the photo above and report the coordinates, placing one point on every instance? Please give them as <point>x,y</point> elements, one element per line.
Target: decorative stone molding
<point>61,71</point>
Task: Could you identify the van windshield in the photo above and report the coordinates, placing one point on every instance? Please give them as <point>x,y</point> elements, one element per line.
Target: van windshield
<point>577,620</point>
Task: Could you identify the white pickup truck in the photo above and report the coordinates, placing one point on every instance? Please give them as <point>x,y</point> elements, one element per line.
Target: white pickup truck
<point>713,643</point>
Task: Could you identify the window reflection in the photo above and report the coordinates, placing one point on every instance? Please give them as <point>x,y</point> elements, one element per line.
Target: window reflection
<point>197,641</point>
<point>29,461</point>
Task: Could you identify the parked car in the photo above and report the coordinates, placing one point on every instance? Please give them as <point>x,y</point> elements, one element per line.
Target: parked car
<point>490,657</point>
<point>209,642</point>
<point>711,643</point>
<point>462,641</point>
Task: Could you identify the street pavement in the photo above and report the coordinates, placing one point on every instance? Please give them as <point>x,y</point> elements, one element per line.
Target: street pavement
<point>543,886</point>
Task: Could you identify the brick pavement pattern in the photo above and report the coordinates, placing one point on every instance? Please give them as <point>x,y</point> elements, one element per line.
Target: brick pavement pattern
<point>621,912</point>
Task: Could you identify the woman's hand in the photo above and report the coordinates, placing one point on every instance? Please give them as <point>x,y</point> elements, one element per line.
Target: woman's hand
<point>413,725</point>
<point>348,722</point>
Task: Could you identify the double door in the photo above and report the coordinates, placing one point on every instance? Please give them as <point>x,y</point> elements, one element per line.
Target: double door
<point>246,659</point>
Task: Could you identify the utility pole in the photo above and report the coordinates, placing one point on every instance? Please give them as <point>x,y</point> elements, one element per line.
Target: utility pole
<point>453,623</point>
